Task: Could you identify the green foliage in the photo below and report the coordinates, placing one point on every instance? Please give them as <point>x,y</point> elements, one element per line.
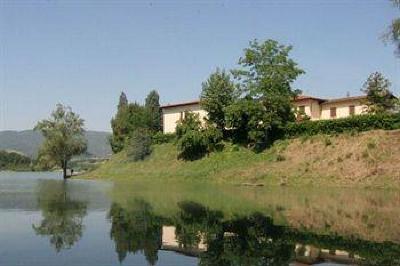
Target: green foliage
<point>193,140</point>
<point>393,34</point>
<point>350,124</point>
<point>379,97</point>
<point>218,92</point>
<point>192,145</point>
<point>139,145</point>
<point>63,136</point>
<point>62,220</point>
<point>161,138</point>
<point>190,122</point>
<point>153,109</point>
<point>133,116</point>
<point>135,229</point>
<point>14,161</point>
<point>265,79</point>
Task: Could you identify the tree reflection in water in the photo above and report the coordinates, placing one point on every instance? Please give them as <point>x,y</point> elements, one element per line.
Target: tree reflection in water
<point>235,240</point>
<point>135,229</point>
<point>62,216</point>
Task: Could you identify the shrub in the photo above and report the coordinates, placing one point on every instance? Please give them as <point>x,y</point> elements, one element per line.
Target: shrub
<point>192,145</point>
<point>189,123</point>
<point>160,138</point>
<point>194,141</point>
<point>139,145</point>
<point>350,124</point>
<point>213,137</point>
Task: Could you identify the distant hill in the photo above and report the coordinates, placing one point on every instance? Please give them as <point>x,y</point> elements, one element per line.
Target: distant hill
<point>28,142</point>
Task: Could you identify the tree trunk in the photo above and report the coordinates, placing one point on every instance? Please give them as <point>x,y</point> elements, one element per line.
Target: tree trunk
<point>64,166</point>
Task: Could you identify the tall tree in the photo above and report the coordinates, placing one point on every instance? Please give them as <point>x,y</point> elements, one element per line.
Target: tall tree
<point>152,105</point>
<point>63,136</point>
<point>379,97</point>
<point>119,124</point>
<point>123,101</point>
<point>265,79</point>
<point>218,92</point>
<point>393,33</point>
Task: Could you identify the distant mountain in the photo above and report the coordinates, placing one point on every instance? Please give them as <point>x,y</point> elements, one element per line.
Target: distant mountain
<point>28,142</point>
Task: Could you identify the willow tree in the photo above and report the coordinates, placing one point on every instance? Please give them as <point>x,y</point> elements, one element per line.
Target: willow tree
<point>63,136</point>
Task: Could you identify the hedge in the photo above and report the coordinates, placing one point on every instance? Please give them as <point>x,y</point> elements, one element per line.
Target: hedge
<point>160,138</point>
<point>356,123</point>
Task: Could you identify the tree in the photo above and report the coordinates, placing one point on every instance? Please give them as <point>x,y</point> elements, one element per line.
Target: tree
<point>139,145</point>
<point>62,216</point>
<point>123,101</point>
<point>393,33</point>
<point>152,105</point>
<point>63,136</point>
<point>265,79</point>
<point>218,92</point>
<point>379,97</point>
<point>134,116</point>
<point>135,228</point>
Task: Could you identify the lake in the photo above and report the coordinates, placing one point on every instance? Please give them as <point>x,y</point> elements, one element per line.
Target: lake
<point>46,221</point>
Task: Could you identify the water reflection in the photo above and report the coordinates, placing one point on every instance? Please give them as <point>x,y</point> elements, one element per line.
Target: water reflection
<point>62,215</point>
<point>254,239</point>
<point>135,228</point>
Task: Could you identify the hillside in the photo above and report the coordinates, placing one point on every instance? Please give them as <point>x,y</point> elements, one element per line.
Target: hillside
<point>366,159</point>
<point>28,142</point>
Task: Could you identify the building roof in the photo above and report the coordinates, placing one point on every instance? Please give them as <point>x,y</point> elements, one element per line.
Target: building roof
<point>298,98</point>
<point>307,97</point>
<point>180,104</point>
<point>345,99</point>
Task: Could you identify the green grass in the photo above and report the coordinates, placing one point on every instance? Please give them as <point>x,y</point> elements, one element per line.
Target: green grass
<point>163,163</point>
<point>342,160</point>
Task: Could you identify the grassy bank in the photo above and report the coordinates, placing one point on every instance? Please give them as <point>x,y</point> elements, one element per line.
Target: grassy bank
<point>366,159</point>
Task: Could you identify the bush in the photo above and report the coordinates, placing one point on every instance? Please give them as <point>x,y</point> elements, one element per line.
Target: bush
<point>139,145</point>
<point>351,124</point>
<point>189,123</point>
<point>192,145</point>
<point>193,140</point>
<point>160,138</point>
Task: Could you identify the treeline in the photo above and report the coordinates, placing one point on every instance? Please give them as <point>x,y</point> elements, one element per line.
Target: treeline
<point>14,161</point>
<point>134,125</point>
<point>251,105</point>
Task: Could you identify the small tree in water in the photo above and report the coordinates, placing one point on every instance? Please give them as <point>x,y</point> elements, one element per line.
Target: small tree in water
<point>64,136</point>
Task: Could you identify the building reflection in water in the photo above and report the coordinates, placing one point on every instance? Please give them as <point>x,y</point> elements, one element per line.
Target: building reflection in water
<point>253,239</point>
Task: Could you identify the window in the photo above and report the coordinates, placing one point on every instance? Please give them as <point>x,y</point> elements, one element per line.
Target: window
<point>302,109</point>
<point>352,110</point>
<point>333,112</point>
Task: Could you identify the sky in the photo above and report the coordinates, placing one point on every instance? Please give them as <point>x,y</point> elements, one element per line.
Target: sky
<point>84,53</point>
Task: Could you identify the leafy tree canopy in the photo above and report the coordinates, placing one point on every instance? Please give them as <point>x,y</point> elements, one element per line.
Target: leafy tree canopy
<point>265,78</point>
<point>63,136</point>
<point>218,92</point>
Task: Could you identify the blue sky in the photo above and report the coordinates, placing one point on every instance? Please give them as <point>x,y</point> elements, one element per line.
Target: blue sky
<point>84,53</point>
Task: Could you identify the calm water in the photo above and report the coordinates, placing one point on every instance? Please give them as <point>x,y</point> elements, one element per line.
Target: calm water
<point>45,221</point>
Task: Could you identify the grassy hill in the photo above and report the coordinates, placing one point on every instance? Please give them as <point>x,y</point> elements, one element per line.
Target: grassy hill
<point>28,142</point>
<point>366,159</point>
